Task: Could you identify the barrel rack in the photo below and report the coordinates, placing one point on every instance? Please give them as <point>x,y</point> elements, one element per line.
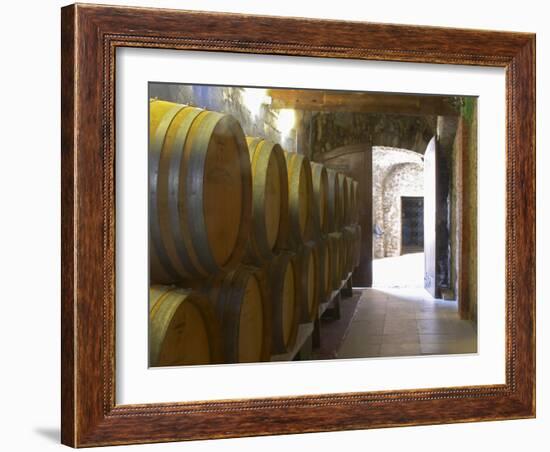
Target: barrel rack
<point>309,333</point>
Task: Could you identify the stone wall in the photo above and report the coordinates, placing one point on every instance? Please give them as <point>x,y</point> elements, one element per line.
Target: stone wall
<point>245,104</point>
<point>396,173</point>
<point>334,130</point>
<point>314,132</point>
<point>328,131</point>
<point>470,185</point>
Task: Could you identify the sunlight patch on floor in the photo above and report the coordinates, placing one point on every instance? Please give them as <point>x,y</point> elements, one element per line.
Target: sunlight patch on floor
<point>401,271</point>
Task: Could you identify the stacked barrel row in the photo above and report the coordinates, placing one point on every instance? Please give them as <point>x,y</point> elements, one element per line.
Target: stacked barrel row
<point>246,240</point>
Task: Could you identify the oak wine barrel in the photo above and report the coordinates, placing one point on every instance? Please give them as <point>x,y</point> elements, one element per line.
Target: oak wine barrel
<point>269,226</point>
<point>349,201</point>
<point>349,235</point>
<point>310,268</point>
<point>320,196</point>
<point>183,329</point>
<point>200,192</point>
<point>283,284</point>
<point>344,252</point>
<point>241,302</point>
<point>334,200</point>
<point>342,244</point>
<point>300,201</point>
<point>325,268</point>
<point>343,189</point>
<point>358,244</point>
<point>349,181</point>
<point>355,198</point>
<point>336,259</point>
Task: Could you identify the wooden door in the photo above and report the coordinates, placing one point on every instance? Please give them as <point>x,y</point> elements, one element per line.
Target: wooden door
<point>412,224</point>
<point>430,185</point>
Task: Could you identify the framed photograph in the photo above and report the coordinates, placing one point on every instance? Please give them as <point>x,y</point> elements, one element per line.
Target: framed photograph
<point>281,225</point>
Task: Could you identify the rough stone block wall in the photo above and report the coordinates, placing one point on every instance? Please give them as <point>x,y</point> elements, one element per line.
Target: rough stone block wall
<point>404,179</point>
<point>334,130</point>
<point>396,173</point>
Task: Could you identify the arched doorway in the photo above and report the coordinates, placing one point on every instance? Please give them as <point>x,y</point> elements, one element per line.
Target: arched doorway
<point>398,195</point>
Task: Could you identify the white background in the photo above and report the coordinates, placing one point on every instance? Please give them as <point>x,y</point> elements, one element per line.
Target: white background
<point>29,381</point>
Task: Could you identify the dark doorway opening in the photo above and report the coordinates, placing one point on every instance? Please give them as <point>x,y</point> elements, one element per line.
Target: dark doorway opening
<point>412,224</point>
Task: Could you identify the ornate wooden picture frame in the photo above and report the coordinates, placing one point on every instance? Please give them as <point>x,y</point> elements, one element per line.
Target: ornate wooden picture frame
<point>90,37</point>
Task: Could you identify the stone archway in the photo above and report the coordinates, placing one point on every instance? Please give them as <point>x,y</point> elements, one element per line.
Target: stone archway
<point>396,172</point>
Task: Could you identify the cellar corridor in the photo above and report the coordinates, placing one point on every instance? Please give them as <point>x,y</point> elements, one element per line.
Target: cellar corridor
<point>292,225</point>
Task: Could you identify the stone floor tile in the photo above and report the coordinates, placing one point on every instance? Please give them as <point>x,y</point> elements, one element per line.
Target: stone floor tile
<point>400,339</point>
<point>401,314</point>
<point>367,326</point>
<point>400,326</point>
<point>375,315</point>
<point>399,349</point>
<point>435,314</point>
<point>352,349</point>
<point>372,339</point>
<point>405,322</point>
<point>444,326</point>
<point>445,338</point>
<point>447,348</point>
<point>373,302</point>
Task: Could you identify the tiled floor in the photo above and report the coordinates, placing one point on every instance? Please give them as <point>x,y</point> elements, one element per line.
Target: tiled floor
<point>405,322</point>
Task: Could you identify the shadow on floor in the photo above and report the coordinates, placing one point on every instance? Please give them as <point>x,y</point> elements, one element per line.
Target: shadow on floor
<point>334,330</point>
<point>50,433</point>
